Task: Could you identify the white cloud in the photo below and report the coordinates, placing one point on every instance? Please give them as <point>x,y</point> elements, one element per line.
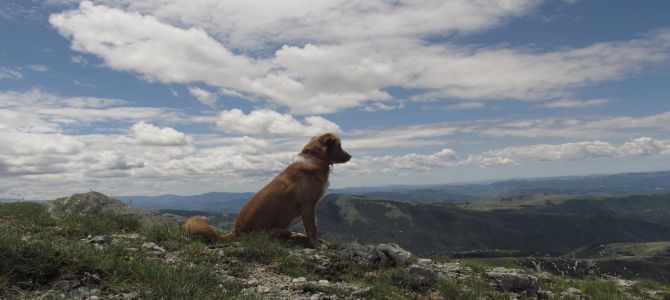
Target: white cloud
<point>254,24</point>
<point>130,41</point>
<point>401,137</point>
<point>7,73</point>
<point>379,106</point>
<point>408,162</point>
<point>204,96</point>
<point>38,68</point>
<point>645,146</point>
<point>269,122</point>
<point>463,106</point>
<point>80,60</point>
<point>570,103</point>
<point>325,57</point>
<point>571,151</point>
<point>148,134</point>
<point>37,111</point>
<point>485,73</point>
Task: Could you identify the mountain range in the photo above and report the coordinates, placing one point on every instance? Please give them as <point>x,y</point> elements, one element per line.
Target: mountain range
<point>602,185</point>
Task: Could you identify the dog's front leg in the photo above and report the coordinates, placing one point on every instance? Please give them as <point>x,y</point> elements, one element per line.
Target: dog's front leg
<point>309,221</point>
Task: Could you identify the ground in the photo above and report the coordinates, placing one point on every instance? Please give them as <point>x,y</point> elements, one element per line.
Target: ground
<point>111,256</point>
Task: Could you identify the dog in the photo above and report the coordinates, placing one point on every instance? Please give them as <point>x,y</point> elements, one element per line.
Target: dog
<point>293,193</point>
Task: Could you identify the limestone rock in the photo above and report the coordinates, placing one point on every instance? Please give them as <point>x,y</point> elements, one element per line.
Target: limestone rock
<point>153,249</point>
<point>424,275</point>
<point>512,280</point>
<point>95,203</point>
<point>377,256</point>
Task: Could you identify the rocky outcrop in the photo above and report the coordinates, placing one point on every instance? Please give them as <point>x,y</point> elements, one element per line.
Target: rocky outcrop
<point>378,255</point>
<point>514,280</point>
<point>95,203</point>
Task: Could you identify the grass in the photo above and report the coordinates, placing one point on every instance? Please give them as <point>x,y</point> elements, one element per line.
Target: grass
<point>36,251</point>
<point>470,289</point>
<point>169,236</point>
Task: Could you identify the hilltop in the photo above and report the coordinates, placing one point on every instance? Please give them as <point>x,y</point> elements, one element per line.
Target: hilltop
<point>97,253</point>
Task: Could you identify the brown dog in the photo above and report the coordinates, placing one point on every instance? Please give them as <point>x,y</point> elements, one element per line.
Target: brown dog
<point>292,194</point>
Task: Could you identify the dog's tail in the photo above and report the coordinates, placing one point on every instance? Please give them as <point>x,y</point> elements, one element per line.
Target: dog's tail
<point>198,225</point>
<point>227,236</point>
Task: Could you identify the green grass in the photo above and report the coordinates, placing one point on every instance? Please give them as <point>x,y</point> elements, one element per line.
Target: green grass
<point>482,264</point>
<point>37,251</point>
<point>470,289</point>
<point>169,236</point>
<point>337,269</point>
<point>258,247</point>
<point>28,216</point>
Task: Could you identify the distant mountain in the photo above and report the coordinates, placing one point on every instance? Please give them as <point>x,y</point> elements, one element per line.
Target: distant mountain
<point>219,202</point>
<point>618,184</point>
<point>603,185</point>
<point>555,228</point>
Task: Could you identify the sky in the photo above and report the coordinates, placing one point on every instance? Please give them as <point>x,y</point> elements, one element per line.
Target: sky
<point>186,97</point>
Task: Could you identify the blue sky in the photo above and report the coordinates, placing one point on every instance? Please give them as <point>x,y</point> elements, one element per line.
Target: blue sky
<point>154,97</point>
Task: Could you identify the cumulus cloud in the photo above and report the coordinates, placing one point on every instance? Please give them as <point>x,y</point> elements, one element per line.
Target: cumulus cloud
<point>38,111</point>
<point>148,134</point>
<point>572,127</point>
<point>408,162</point>
<point>255,24</point>
<point>326,57</point>
<point>204,96</point>
<point>269,122</point>
<point>131,40</point>
<point>571,151</point>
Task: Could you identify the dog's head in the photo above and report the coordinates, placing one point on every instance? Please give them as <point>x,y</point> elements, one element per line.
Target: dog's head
<point>328,148</point>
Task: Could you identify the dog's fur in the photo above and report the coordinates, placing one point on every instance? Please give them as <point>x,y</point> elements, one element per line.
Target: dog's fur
<point>198,225</point>
<point>292,194</point>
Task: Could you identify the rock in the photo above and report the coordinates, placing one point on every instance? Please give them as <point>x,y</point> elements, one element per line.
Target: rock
<point>362,292</point>
<point>377,256</point>
<point>545,294</point>
<point>153,249</point>
<point>100,239</point>
<point>574,292</point>
<point>91,203</point>
<point>252,281</point>
<point>512,280</point>
<point>129,236</point>
<point>66,285</point>
<point>299,280</point>
<point>85,293</point>
<point>399,255</point>
<point>95,203</point>
<point>324,282</point>
<point>128,296</point>
<point>424,275</point>
<point>424,262</point>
